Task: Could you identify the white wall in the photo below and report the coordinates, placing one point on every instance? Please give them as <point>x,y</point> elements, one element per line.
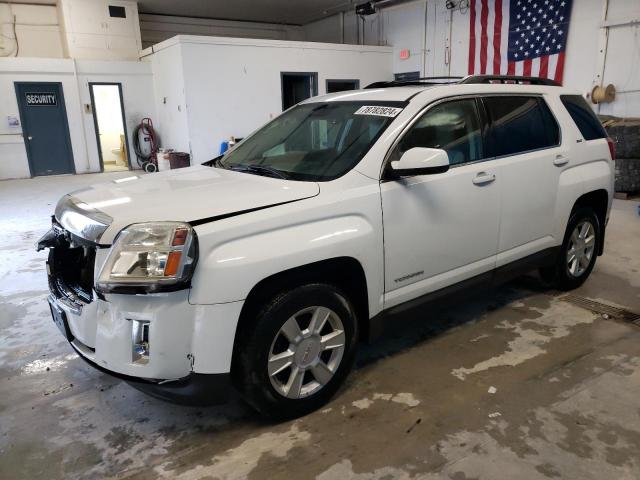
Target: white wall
<point>90,32</point>
<point>345,28</point>
<point>169,97</point>
<point>158,28</point>
<point>137,86</point>
<point>622,65</point>
<point>233,86</point>
<point>37,29</point>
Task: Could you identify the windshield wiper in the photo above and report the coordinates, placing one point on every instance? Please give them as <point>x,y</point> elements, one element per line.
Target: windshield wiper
<point>261,170</point>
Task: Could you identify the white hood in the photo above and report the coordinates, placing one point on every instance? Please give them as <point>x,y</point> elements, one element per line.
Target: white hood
<point>188,195</point>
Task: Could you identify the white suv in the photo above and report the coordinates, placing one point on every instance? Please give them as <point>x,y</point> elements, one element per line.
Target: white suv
<point>264,268</point>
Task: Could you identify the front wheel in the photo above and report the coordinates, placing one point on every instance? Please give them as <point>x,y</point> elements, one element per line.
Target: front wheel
<point>297,351</point>
<point>578,253</point>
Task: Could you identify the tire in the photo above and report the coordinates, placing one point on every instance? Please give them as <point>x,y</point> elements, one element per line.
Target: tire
<point>281,384</point>
<point>566,274</point>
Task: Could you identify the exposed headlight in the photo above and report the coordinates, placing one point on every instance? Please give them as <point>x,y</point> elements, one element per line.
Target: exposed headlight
<point>155,256</point>
<point>81,219</point>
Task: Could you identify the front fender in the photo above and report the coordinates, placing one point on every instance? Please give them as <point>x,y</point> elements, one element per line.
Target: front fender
<point>228,271</point>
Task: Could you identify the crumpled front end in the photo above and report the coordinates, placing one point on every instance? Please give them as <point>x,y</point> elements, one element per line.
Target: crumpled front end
<point>158,342</point>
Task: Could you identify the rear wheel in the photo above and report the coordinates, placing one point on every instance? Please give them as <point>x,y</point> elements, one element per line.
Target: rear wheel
<point>578,253</point>
<point>297,352</point>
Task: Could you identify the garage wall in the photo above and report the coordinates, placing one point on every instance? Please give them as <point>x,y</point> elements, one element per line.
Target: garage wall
<point>137,86</point>
<point>438,42</point>
<point>169,98</point>
<point>232,86</point>
<point>158,28</point>
<point>37,29</point>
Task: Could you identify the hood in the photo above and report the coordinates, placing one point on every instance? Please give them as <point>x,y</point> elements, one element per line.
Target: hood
<point>195,194</point>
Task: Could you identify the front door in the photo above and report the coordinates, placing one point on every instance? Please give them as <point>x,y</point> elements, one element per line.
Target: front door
<point>45,128</point>
<point>441,229</point>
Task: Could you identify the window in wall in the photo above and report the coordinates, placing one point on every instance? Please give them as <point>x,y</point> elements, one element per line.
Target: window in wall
<point>342,85</point>
<point>406,76</point>
<point>117,12</point>
<point>520,124</point>
<point>584,118</point>
<point>452,126</point>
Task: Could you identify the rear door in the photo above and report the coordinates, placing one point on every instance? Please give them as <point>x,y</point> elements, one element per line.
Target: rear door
<point>45,128</point>
<point>524,140</point>
<point>441,229</point>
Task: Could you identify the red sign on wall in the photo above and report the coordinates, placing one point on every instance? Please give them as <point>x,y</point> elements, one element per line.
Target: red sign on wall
<point>404,54</point>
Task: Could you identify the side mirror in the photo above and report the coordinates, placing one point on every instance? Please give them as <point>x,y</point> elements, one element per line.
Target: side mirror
<point>421,161</point>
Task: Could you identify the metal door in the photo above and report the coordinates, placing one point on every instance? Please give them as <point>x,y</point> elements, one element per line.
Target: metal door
<point>45,127</point>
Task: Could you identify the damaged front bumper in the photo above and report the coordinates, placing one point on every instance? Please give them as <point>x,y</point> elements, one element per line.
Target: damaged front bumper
<point>193,389</point>
<point>159,343</point>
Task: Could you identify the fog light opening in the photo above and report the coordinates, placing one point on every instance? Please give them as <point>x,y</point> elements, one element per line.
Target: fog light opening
<point>140,341</point>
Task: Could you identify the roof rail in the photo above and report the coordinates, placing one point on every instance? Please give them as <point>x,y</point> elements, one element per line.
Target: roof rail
<point>509,79</point>
<point>469,79</point>
<point>416,81</point>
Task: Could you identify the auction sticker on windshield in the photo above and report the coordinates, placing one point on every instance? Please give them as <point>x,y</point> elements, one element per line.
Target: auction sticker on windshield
<point>378,111</point>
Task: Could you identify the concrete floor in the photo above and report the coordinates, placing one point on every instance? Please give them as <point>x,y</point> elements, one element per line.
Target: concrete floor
<point>521,383</point>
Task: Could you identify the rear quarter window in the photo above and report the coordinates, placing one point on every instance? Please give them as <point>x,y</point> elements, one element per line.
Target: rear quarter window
<point>520,124</point>
<point>584,118</point>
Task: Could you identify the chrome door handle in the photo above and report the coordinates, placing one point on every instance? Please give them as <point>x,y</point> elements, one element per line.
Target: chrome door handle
<point>483,178</point>
<point>29,137</point>
<point>560,160</point>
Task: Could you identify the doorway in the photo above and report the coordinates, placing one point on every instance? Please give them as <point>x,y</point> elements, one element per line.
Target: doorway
<point>298,86</point>
<point>109,121</point>
<point>334,86</point>
<point>45,128</point>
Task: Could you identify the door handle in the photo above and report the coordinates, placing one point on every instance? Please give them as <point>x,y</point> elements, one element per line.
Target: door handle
<point>483,178</point>
<point>29,137</point>
<point>560,160</point>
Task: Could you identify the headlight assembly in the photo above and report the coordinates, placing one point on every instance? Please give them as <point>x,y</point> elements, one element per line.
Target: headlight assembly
<point>150,257</point>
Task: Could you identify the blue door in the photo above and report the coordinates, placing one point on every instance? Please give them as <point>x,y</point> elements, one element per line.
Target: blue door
<point>45,128</point>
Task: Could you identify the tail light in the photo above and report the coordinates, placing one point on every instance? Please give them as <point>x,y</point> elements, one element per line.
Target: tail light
<point>612,148</point>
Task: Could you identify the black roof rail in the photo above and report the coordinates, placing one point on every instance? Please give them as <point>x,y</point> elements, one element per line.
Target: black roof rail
<point>509,79</point>
<point>416,81</point>
<point>469,79</point>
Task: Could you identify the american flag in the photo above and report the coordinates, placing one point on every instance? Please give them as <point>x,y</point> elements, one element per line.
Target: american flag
<point>519,37</point>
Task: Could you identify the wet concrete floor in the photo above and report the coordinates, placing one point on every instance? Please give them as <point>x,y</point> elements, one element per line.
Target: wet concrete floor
<point>520,382</point>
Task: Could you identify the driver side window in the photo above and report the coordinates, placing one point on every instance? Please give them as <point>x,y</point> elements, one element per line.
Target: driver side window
<point>452,126</point>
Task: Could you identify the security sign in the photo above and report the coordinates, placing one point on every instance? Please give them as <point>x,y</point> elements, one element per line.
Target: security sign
<point>41,99</point>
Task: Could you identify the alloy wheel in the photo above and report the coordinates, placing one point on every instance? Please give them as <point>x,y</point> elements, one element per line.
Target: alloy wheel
<point>306,352</point>
<point>581,247</point>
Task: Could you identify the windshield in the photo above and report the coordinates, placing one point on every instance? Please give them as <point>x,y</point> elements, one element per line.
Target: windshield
<point>313,141</point>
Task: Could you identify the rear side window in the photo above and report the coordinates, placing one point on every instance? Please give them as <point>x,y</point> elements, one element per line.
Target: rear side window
<point>520,124</point>
<point>583,116</point>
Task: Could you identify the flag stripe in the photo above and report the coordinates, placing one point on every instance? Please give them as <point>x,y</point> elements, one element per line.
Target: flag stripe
<point>559,68</point>
<point>553,61</point>
<point>504,38</point>
<point>511,69</point>
<point>478,35</point>
<point>519,68</point>
<point>472,38</point>
<point>483,37</point>
<point>497,32</point>
<point>526,69</point>
<point>491,18</point>
<point>544,66</point>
